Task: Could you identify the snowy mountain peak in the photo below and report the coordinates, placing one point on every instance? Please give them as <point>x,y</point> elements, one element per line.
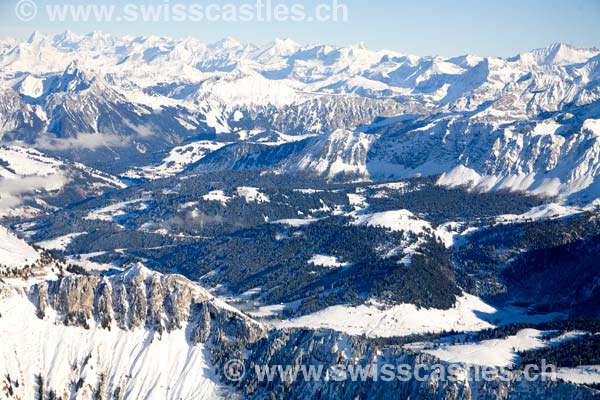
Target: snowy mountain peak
<point>559,54</point>
<point>36,38</point>
<point>183,88</point>
<point>67,39</point>
<point>278,48</point>
<point>74,78</point>
<point>360,46</point>
<point>286,44</point>
<point>226,44</point>
<point>72,68</point>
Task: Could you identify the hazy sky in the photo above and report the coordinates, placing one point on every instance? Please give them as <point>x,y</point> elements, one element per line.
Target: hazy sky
<point>451,27</point>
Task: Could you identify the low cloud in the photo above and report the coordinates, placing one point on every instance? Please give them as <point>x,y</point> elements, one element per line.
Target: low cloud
<point>89,141</point>
<point>13,191</point>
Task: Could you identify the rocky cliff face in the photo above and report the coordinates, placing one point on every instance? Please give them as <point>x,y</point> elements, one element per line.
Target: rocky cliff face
<point>141,334</point>
<point>140,298</point>
<point>138,334</point>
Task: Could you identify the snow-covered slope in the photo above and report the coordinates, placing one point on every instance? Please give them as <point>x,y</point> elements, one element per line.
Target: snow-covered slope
<point>339,154</point>
<point>14,252</point>
<point>553,156</point>
<point>499,352</point>
<point>178,159</point>
<point>136,335</point>
<point>99,360</point>
<point>373,319</point>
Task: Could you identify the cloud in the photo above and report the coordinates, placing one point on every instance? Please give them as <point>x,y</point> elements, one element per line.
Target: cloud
<point>88,141</point>
<point>12,190</point>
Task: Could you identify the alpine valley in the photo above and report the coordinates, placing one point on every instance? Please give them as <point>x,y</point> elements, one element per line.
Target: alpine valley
<point>168,206</point>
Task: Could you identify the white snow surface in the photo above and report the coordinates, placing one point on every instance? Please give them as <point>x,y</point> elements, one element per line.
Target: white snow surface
<point>31,86</point>
<point>498,352</point>
<point>28,172</point>
<point>177,160</point>
<point>295,222</point>
<point>61,242</point>
<point>109,213</point>
<point>216,195</point>
<point>585,374</point>
<point>14,252</point>
<point>406,221</point>
<point>252,195</point>
<point>146,364</point>
<point>396,220</point>
<point>546,211</point>
<point>376,320</point>
<point>339,153</point>
<point>326,261</point>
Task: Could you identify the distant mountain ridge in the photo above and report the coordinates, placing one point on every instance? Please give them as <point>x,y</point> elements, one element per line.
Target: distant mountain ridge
<point>529,122</point>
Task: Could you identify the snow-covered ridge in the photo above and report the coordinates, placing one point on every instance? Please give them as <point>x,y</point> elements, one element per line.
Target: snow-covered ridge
<point>280,73</point>
<point>555,156</point>
<point>170,305</point>
<point>113,361</point>
<point>110,333</point>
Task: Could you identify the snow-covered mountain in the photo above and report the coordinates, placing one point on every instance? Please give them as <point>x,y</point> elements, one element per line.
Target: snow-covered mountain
<point>125,103</point>
<point>552,154</point>
<point>137,334</point>
<point>16,256</point>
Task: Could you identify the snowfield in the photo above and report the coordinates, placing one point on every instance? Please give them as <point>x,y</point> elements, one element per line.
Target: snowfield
<point>177,160</point>
<point>216,195</point>
<point>587,374</point>
<point>109,213</point>
<point>320,260</point>
<point>252,195</point>
<point>547,211</point>
<point>373,319</point>
<point>146,364</point>
<point>26,171</point>
<point>295,222</point>
<point>14,252</point>
<point>60,243</point>
<point>397,220</point>
<point>498,352</point>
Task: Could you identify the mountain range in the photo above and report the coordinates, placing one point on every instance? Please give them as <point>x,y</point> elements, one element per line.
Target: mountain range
<point>122,104</point>
<point>169,205</point>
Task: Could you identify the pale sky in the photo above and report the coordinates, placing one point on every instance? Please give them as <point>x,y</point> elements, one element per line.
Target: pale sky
<point>425,27</point>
